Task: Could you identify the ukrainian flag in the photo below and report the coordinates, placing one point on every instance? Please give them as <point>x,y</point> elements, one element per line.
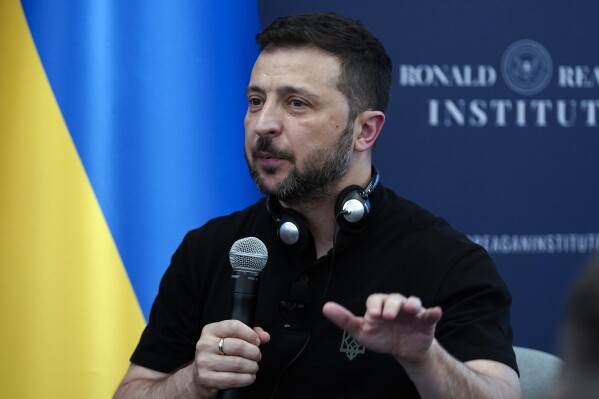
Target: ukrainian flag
<point>121,127</point>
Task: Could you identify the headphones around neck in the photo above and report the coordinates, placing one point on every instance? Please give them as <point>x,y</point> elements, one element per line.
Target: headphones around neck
<point>352,204</point>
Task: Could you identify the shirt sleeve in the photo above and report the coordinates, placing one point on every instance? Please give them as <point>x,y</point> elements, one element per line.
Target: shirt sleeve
<point>476,311</point>
<point>169,339</point>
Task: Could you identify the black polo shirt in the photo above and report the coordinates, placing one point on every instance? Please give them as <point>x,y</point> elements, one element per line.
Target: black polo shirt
<point>402,248</point>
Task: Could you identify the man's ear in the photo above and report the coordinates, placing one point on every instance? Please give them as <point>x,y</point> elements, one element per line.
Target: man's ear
<point>369,124</point>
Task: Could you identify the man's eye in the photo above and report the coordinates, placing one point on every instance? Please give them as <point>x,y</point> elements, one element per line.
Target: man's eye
<point>255,101</point>
<point>297,103</point>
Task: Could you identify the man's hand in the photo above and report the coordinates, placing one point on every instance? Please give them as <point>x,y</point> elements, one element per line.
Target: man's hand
<point>402,327</point>
<point>237,365</point>
<point>392,324</point>
<point>210,371</point>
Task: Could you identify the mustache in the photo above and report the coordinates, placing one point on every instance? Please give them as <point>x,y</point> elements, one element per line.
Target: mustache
<point>265,144</point>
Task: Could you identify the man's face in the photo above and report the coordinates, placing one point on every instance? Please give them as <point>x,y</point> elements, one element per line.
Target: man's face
<point>298,140</point>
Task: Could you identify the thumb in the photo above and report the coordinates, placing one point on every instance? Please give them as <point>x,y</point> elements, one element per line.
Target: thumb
<point>341,317</point>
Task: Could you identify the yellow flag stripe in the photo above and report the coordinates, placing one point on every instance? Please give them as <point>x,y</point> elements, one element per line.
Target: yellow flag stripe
<point>69,316</point>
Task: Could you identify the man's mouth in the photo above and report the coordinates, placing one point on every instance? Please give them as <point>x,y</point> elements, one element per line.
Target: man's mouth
<point>266,155</point>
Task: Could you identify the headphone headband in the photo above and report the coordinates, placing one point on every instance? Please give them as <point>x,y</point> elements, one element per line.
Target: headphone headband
<point>374,181</point>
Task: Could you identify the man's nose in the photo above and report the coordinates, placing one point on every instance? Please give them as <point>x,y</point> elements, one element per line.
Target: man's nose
<point>268,121</point>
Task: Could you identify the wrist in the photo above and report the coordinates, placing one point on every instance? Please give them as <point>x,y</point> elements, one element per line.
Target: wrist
<point>423,360</point>
<point>194,386</point>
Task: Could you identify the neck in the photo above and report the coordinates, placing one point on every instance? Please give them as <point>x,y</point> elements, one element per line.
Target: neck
<point>321,222</point>
<point>320,216</point>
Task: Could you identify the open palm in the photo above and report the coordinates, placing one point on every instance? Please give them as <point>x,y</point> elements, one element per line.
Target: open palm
<point>391,324</point>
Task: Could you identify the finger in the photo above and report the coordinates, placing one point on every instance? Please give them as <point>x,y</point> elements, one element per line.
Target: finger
<point>341,317</point>
<point>217,380</point>
<point>432,315</point>
<point>236,380</point>
<point>413,305</point>
<point>374,304</point>
<point>237,329</point>
<point>231,346</point>
<point>212,333</point>
<point>216,371</point>
<point>232,371</point>
<point>233,355</point>
<point>392,305</point>
<point>263,336</point>
<point>229,328</point>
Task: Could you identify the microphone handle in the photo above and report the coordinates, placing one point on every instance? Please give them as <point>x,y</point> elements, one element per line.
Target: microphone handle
<point>244,306</point>
<point>230,394</point>
<point>245,286</point>
<point>243,310</point>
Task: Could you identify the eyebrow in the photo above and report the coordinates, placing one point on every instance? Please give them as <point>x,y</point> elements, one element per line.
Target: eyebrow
<point>283,91</point>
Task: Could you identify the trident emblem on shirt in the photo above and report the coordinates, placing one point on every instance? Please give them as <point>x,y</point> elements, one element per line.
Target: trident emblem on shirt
<point>350,346</point>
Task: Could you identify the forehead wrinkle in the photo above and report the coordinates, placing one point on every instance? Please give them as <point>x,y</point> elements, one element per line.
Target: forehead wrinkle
<point>295,64</point>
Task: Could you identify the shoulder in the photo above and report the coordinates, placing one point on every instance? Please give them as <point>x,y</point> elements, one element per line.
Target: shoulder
<point>423,231</point>
<point>210,244</point>
<point>225,228</point>
<point>438,259</point>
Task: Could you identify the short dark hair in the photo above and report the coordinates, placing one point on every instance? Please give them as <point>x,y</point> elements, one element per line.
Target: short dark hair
<point>366,69</point>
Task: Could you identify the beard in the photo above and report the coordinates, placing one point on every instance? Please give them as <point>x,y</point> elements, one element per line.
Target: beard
<point>324,168</point>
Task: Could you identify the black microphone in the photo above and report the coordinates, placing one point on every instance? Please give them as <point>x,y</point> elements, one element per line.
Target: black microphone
<point>248,256</point>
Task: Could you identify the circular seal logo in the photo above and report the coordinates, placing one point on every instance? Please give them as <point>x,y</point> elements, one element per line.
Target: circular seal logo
<point>526,67</point>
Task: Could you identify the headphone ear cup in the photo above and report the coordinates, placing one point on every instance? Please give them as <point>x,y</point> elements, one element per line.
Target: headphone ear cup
<point>351,209</point>
<point>292,231</point>
<point>288,230</point>
<point>288,224</point>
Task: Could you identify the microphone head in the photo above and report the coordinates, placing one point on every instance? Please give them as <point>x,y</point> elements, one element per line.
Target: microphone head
<point>248,254</point>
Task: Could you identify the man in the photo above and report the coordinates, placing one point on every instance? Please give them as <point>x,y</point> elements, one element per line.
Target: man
<point>436,322</point>
<point>579,344</point>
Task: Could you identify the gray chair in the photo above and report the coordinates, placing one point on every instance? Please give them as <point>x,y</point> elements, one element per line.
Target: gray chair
<point>538,372</point>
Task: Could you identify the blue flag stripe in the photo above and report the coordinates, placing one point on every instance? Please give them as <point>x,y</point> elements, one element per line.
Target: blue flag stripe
<point>153,95</point>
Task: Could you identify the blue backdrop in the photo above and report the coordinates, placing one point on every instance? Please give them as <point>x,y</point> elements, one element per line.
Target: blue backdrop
<point>493,124</point>
<point>154,98</point>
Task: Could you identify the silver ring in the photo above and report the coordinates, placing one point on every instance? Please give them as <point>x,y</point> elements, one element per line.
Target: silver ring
<point>221,346</point>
